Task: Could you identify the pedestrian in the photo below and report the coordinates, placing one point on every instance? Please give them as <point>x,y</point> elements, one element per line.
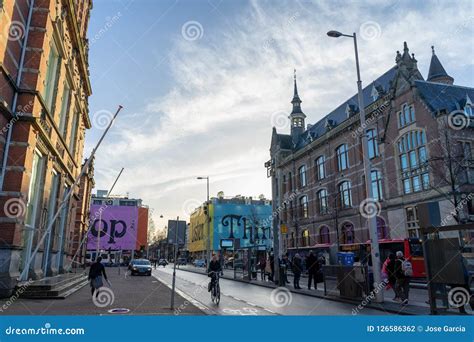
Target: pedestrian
<point>96,272</point>
<point>268,269</point>
<point>286,265</point>
<point>403,273</point>
<point>312,266</point>
<point>359,274</point>
<point>261,265</point>
<point>388,274</point>
<point>297,266</point>
<point>272,266</point>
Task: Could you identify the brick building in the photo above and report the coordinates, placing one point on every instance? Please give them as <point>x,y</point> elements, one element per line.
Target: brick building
<point>420,137</point>
<point>44,90</point>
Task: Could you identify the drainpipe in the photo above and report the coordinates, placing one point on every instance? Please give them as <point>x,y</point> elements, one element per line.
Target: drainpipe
<point>15,96</point>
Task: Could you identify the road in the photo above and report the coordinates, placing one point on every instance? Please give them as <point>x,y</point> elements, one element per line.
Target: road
<point>244,299</point>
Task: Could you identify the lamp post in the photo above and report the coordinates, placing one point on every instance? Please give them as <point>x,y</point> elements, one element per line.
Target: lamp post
<point>208,242</point>
<point>371,220</point>
<point>176,246</point>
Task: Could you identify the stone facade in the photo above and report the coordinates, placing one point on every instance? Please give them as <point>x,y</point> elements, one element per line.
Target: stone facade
<point>417,154</point>
<point>44,90</point>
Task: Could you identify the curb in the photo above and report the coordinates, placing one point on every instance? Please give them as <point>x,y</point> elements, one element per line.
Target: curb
<point>328,297</point>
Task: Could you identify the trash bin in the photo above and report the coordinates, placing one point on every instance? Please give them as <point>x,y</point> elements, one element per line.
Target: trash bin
<point>348,287</point>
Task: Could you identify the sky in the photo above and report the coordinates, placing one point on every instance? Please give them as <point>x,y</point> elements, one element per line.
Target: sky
<point>203,82</point>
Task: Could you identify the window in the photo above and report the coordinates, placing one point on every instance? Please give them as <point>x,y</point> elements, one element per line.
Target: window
<point>381,228</point>
<point>320,171</point>
<point>373,149</point>
<point>290,182</point>
<point>52,76</point>
<point>466,162</point>
<point>347,231</point>
<point>406,116</point>
<point>345,194</point>
<point>74,129</point>
<point>305,238</point>
<point>323,201</point>
<point>302,173</point>
<point>304,206</point>
<point>412,221</point>
<point>324,235</point>
<point>413,162</point>
<point>283,185</point>
<point>376,183</point>
<point>64,113</point>
<point>468,110</point>
<point>342,157</point>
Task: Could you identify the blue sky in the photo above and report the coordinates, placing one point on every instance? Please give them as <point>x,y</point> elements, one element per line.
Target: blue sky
<point>202,82</point>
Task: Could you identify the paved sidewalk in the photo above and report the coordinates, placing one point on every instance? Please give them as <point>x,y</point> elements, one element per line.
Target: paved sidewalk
<point>417,305</point>
<point>142,295</point>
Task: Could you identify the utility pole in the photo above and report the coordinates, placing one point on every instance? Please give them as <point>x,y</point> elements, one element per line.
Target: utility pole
<point>175,261</point>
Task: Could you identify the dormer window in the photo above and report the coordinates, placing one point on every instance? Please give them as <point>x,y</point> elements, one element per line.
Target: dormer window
<point>374,94</point>
<point>468,110</point>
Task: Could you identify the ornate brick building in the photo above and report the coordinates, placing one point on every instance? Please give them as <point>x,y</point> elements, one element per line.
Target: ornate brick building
<point>44,90</point>
<point>420,137</point>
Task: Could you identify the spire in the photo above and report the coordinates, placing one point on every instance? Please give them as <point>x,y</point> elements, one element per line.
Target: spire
<point>437,73</point>
<point>296,99</point>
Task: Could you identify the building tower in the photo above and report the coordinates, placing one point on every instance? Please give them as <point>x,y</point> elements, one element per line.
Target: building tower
<point>437,73</point>
<point>297,116</point>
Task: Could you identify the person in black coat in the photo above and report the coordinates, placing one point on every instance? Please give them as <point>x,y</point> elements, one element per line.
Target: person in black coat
<point>312,265</point>
<point>96,272</point>
<point>297,266</point>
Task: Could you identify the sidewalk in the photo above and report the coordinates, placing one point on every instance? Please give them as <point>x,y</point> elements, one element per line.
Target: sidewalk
<point>417,305</point>
<point>142,295</point>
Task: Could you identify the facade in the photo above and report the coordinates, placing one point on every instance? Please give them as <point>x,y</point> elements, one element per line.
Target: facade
<point>44,90</point>
<point>420,136</point>
<point>227,219</point>
<point>140,219</point>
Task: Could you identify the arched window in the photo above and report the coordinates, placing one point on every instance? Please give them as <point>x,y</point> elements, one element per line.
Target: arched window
<point>413,162</point>
<point>304,206</point>
<point>406,116</point>
<point>323,201</point>
<point>347,232</point>
<point>302,174</point>
<point>345,194</point>
<point>305,238</point>
<point>373,149</point>
<point>324,235</point>
<point>376,183</point>
<point>381,228</point>
<point>320,169</point>
<point>342,157</point>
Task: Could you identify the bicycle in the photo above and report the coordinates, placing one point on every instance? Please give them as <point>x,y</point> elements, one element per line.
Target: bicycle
<point>215,288</point>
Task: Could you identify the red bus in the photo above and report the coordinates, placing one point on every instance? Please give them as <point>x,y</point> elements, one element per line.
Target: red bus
<point>411,248</point>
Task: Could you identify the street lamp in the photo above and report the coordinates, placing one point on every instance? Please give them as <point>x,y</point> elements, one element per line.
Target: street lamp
<point>372,220</point>
<point>208,243</point>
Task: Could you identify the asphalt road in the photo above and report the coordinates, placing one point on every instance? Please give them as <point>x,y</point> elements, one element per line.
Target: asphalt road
<point>244,299</point>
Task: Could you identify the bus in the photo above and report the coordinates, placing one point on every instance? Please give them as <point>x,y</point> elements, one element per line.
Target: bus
<point>411,248</point>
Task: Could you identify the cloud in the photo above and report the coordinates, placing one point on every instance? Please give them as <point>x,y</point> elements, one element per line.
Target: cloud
<point>216,118</point>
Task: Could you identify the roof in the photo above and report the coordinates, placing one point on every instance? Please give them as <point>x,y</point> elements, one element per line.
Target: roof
<point>439,96</point>
<point>436,68</point>
<point>338,115</point>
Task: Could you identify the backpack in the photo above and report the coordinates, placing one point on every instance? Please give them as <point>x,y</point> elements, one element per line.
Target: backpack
<point>407,268</point>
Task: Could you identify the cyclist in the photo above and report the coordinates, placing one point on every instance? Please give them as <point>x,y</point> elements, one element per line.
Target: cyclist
<point>213,271</point>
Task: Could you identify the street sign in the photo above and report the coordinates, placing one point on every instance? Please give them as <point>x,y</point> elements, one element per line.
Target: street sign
<point>227,243</point>
<point>284,229</point>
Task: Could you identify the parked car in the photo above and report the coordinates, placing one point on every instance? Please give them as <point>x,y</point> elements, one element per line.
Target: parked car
<point>182,261</point>
<point>199,263</point>
<point>162,262</point>
<point>140,266</point>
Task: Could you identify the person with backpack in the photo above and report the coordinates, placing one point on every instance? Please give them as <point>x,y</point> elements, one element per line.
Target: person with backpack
<point>403,273</point>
